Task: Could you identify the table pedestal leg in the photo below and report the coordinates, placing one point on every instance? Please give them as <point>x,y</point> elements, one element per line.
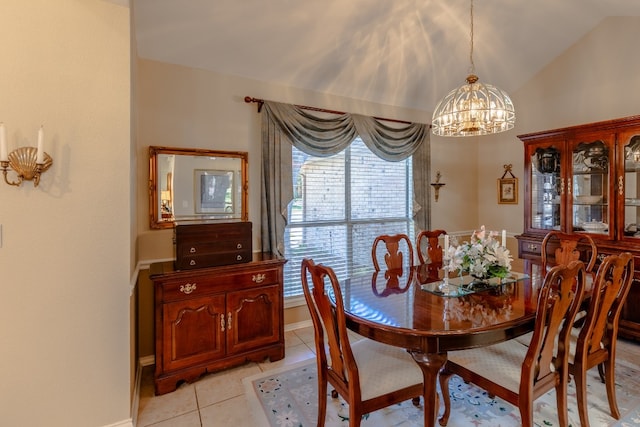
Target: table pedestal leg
<point>430,364</point>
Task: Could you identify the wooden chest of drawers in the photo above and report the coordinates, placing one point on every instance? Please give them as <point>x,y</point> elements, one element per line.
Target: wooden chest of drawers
<point>212,244</point>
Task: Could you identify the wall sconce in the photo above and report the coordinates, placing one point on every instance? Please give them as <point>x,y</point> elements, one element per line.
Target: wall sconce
<point>436,185</point>
<point>27,162</point>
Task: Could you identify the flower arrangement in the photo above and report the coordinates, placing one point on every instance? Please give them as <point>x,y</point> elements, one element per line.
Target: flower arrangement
<point>482,257</point>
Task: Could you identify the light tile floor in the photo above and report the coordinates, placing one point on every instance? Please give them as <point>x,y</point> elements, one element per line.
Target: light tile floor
<point>218,399</point>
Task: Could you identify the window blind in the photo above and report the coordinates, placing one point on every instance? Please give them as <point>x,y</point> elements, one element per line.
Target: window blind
<point>341,203</point>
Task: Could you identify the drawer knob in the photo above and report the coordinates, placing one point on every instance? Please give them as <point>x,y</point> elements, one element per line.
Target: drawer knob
<point>192,250</point>
<point>239,246</point>
<point>239,257</point>
<point>258,278</point>
<point>188,288</point>
<point>192,262</point>
<point>533,247</point>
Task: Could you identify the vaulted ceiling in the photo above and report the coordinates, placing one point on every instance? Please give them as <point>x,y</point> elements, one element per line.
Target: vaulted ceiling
<point>407,53</point>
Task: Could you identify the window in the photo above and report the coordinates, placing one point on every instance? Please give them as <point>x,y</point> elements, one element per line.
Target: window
<point>341,203</point>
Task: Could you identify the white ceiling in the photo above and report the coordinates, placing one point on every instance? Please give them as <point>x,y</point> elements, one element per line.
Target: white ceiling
<point>407,53</point>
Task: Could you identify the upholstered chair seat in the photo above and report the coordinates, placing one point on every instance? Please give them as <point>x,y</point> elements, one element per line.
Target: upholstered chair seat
<point>383,368</point>
<point>500,363</point>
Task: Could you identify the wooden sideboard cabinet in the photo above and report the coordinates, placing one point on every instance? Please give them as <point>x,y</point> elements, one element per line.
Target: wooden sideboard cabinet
<point>213,318</point>
<point>586,179</point>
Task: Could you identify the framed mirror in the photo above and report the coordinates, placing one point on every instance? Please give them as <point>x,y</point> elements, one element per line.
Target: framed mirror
<point>190,184</point>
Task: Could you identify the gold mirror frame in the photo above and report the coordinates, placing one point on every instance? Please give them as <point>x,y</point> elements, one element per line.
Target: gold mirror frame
<point>194,178</point>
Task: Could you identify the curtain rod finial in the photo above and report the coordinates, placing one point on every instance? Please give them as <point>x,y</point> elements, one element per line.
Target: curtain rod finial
<point>249,99</point>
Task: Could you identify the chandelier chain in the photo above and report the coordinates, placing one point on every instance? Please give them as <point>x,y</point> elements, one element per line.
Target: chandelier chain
<point>472,68</point>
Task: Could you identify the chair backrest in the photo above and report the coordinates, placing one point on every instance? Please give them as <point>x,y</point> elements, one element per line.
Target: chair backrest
<point>342,369</point>
<point>558,303</point>
<point>568,247</point>
<point>394,257</point>
<point>609,292</point>
<point>428,247</point>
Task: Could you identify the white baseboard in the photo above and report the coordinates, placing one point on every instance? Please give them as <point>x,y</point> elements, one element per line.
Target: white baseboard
<point>125,423</point>
<point>135,405</point>
<point>147,360</point>
<point>298,325</point>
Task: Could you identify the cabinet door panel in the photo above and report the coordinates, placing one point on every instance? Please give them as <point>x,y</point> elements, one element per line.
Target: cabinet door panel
<point>193,331</point>
<point>592,190</point>
<point>629,176</point>
<point>254,317</point>
<point>545,185</point>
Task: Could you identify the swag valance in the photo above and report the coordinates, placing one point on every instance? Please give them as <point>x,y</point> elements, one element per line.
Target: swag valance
<point>325,136</point>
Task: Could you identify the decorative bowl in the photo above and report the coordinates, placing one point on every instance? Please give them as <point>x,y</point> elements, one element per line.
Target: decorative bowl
<point>596,226</point>
<point>589,199</point>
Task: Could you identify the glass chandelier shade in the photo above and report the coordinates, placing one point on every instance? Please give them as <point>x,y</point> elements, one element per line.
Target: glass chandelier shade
<point>474,108</point>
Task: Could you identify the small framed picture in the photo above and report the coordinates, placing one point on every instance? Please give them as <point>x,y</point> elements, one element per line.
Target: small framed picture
<point>214,191</point>
<point>508,190</point>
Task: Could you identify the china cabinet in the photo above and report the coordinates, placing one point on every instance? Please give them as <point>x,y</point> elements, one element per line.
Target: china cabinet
<point>586,179</point>
<point>209,319</point>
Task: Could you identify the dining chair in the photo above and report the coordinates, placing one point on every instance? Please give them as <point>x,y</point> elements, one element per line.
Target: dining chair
<point>520,374</point>
<point>394,256</point>
<point>428,247</point>
<point>560,248</point>
<point>367,374</point>
<point>593,343</point>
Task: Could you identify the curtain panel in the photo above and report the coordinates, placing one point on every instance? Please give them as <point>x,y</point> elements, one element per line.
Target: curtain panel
<point>324,135</point>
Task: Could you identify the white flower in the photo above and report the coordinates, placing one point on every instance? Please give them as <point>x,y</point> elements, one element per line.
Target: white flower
<point>481,257</point>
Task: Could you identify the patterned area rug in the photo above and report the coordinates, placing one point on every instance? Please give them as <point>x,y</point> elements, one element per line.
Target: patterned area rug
<point>288,398</point>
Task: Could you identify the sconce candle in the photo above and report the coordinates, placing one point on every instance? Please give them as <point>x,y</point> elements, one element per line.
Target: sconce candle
<point>3,143</point>
<point>40,153</point>
<point>504,238</point>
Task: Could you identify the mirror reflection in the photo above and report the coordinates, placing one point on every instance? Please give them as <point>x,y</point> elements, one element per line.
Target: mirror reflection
<point>194,184</point>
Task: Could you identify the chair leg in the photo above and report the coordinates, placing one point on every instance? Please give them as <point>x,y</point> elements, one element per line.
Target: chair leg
<point>580,377</point>
<point>322,402</point>
<point>601,373</point>
<point>355,416</point>
<point>526,412</point>
<point>445,376</point>
<point>561,398</point>
<point>610,382</point>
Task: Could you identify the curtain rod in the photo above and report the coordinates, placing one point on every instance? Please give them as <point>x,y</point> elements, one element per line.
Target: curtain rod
<point>260,102</point>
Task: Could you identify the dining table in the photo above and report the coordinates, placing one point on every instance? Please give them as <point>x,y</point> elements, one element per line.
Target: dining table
<point>428,312</point>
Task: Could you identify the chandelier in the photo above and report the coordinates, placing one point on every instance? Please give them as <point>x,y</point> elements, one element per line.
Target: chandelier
<point>474,108</point>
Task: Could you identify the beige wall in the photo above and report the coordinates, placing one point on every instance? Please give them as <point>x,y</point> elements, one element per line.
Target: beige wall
<point>65,255</point>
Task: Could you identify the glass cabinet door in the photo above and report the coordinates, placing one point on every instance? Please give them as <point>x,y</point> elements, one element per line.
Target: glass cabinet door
<point>546,188</point>
<point>630,143</point>
<point>590,186</point>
